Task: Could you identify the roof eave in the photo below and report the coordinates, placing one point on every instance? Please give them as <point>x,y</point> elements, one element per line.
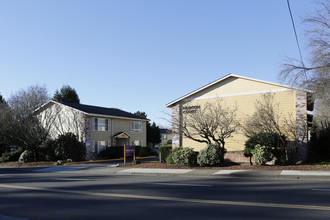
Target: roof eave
<point>169,105</point>
<point>117,117</point>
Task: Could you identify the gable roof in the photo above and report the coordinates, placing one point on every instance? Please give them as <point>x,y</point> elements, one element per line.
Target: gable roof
<point>96,110</point>
<point>169,105</point>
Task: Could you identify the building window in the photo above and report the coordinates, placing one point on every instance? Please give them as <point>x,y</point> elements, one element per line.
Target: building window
<point>137,143</point>
<point>164,136</point>
<point>101,124</point>
<point>99,146</point>
<point>136,126</point>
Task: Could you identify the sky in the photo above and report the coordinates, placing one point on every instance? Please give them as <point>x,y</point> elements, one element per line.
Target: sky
<point>139,55</point>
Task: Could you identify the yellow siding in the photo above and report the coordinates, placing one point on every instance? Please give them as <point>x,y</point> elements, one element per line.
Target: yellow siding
<point>121,125</point>
<point>246,107</point>
<point>118,125</point>
<point>234,86</point>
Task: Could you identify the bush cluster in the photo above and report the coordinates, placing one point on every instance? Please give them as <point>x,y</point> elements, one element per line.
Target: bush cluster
<point>11,155</point>
<point>261,154</point>
<point>26,156</point>
<point>169,158</point>
<point>277,146</point>
<point>118,152</point>
<point>319,143</point>
<point>65,147</point>
<point>141,151</point>
<point>163,152</point>
<point>209,156</point>
<point>113,152</point>
<point>184,156</point>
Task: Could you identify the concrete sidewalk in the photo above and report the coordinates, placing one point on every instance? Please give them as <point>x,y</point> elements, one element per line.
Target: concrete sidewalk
<point>292,174</point>
<point>111,169</point>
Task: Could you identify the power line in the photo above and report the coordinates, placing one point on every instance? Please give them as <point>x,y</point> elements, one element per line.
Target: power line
<point>295,33</point>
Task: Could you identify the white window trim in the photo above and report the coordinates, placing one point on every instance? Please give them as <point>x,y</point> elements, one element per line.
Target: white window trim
<point>95,125</point>
<point>134,129</point>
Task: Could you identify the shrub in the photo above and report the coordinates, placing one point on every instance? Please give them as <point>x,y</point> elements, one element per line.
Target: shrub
<point>169,158</point>
<point>210,156</point>
<point>184,156</point>
<point>163,152</point>
<point>319,143</point>
<point>65,147</point>
<point>249,146</point>
<point>143,151</point>
<point>26,156</point>
<point>11,155</point>
<point>118,152</point>
<point>276,143</point>
<point>261,154</point>
<point>113,152</point>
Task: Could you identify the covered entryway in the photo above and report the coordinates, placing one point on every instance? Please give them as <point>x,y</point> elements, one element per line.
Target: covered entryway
<point>121,139</point>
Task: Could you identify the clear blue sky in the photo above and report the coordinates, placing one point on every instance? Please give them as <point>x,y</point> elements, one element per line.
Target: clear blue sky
<point>139,55</point>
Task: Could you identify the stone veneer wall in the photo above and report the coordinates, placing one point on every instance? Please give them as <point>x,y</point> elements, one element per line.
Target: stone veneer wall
<point>86,137</point>
<point>301,125</point>
<point>176,120</point>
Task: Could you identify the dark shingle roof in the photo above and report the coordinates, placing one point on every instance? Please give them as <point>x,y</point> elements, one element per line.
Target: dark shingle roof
<point>89,109</point>
<point>165,131</point>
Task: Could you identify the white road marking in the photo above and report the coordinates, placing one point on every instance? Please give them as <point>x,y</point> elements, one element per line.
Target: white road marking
<point>324,190</point>
<point>72,179</point>
<point>227,172</point>
<point>180,184</point>
<point>59,169</point>
<point>167,171</point>
<point>304,173</point>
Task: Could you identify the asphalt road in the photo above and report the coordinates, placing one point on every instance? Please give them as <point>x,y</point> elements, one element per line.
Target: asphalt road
<point>93,194</point>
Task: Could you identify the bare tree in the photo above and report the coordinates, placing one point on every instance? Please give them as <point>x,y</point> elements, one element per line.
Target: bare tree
<point>315,73</point>
<point>268,126</point>
<point>24,102</point>
<point>28,131</point>
<point>211,123</point>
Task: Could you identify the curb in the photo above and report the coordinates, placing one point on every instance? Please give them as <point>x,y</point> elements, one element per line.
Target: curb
<point>284,174</point>
<point>107,160</point>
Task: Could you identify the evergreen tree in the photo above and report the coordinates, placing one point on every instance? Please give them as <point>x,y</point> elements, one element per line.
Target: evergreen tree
<point>153,132</point>
<point>66,94</point>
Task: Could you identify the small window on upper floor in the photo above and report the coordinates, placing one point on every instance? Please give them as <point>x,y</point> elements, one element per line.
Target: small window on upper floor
<point>164,136</point>
<point>136,126</point>
<point>101,124</point>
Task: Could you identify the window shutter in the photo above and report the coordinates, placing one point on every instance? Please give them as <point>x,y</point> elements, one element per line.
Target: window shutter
<point>93,125</point>
<point>131,126</point>
<point>96,124</point>
<point>109,143</point>
<point>109,124</point>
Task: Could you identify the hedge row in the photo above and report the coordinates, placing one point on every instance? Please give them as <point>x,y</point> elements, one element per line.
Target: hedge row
<point>118,152</point>
<point>209,156</point>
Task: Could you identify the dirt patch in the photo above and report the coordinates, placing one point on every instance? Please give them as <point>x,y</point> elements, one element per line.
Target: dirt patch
<point>228,167</point>
<point>31,164</point>
<point>158,165</point>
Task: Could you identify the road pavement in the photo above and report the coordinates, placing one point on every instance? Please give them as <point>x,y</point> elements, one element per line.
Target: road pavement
<point>87,191</point>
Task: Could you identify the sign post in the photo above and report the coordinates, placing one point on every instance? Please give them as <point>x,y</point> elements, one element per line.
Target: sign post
<point>124,154</point>
<point>129,151</point>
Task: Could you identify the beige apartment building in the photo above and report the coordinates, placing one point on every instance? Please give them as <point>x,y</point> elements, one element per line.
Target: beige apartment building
<point>97,127</point>
<point>241,92</point>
